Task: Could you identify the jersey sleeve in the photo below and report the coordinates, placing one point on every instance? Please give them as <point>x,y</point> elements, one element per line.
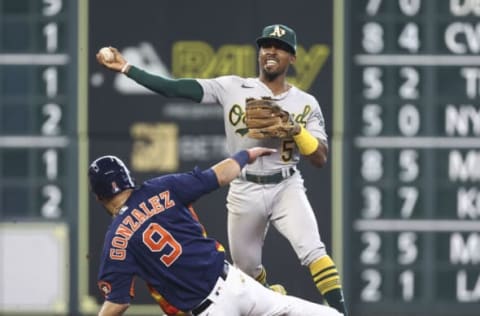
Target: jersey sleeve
<point>116,277</point>
<point>316,122</point>
<point>117,287</point>
<point>215,89</point>
<point>184,88</point>
<point>190,186</point>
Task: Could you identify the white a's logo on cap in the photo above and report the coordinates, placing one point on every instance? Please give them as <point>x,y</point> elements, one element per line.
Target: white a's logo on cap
<point>278,31</point>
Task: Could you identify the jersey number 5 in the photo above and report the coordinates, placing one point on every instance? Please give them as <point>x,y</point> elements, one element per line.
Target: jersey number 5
<point>157,238</point>
<point>287,150</point>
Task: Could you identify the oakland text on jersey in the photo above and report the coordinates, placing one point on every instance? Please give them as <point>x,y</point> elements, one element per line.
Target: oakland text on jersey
<point>132,222</point>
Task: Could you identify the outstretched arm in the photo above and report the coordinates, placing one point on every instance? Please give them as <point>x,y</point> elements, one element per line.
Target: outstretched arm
<point>228,169</point>
<point>182,88</point>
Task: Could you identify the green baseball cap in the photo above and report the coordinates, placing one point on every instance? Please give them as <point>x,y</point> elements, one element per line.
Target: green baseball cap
<point>280,33</point>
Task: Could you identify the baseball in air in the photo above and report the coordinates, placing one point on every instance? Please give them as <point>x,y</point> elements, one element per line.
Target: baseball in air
<point>107,54</point>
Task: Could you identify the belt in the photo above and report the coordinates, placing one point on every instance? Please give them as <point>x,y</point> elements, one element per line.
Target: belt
<point>207,302</point>
<point>269,179</point>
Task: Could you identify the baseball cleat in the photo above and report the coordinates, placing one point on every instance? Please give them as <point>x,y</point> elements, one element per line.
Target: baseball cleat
<point>278,288</point>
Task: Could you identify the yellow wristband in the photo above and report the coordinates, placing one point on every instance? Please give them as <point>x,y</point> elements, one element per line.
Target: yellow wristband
<point>306,143</point>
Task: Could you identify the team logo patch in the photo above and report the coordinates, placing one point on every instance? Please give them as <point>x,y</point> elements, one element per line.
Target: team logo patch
<point>278,31</point>
<point>115,187</point>
<point>105,287</point>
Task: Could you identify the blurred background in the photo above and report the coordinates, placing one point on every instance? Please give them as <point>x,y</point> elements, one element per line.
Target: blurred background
<point>398,204</point>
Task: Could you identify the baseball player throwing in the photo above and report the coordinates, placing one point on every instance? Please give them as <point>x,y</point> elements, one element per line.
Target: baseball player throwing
<point>155,234</point>
<point>271,189</point>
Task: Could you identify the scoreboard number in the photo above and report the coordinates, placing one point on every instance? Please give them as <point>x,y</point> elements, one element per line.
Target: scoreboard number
<point>38,79</point>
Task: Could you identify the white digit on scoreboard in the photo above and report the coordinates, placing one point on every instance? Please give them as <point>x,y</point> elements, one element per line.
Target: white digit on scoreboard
<point>52,7</point>
<point>371,291</point>
<point>409,88</point>
<point>407,282</point>
<point>372,82</point>
<point>372,165</point>
<point>372,202</point>
<point>409,196</point>
<point>50,159</point>
<point>409,168</point>
<point>50,76</point>
<point>53,114</point>
<point>372,119</point>
<point>407,248</point>
<point>53,198</point>
<point>371,253</point>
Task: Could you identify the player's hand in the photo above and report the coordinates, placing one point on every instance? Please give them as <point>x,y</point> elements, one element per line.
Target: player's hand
<point>256,152</point>
<point>116,64</point>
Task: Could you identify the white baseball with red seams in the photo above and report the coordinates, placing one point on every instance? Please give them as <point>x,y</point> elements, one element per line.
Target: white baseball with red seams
<point>251,205</point>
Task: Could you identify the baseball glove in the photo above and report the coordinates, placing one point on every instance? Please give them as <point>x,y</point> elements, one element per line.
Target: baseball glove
<point>266,119</point>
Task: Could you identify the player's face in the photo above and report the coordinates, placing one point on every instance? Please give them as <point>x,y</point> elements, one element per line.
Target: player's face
<point>274,59</point>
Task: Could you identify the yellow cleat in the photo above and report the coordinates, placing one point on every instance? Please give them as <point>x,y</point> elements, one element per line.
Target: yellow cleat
<point>278,288</point>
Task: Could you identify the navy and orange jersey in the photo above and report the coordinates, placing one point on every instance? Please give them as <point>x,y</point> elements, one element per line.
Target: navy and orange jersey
<point>157,236</point>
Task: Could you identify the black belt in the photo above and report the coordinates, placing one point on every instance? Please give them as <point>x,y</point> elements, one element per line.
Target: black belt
<point>207,302</point>
<point>268,179</point>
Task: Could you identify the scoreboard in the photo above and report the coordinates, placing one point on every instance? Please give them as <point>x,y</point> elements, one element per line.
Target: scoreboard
<point>411,163</point>
<point>38,155</point>
<point>38,109</point>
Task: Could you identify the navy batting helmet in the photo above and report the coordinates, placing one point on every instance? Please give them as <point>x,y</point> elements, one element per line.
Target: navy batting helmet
<point>109,176</point>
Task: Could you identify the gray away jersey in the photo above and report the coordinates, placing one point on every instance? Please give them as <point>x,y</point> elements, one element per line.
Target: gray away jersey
<point>232,91</point>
